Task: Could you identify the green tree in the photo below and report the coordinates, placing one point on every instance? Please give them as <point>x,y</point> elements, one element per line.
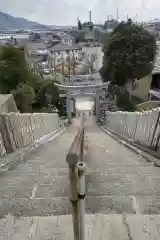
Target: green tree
<point>79,25</point>
<point>16,78</point>
<point>47,96</point>
<point>24,95</point>
<point>30,93</point>
<point>13,69</point>
<point>129,53</point>
<point>80,37</point>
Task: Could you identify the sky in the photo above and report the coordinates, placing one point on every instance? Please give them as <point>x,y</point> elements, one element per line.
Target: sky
<point>65,12</point>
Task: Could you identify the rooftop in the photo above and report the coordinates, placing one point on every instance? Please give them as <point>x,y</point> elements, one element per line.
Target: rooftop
<point>65,47</point>
<point>36,46</point>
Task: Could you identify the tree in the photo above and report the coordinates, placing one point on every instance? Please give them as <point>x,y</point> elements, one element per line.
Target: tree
<point>129,53</point>
<point>29,91</point>
<point>13,69</point>
<point>47,96</point>
<point>80,37</point>
<point>24,96</point>
<point>79,25</point>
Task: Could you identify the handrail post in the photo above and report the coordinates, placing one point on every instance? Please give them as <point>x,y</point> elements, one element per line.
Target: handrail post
<point>74,199</point>
<point>81,195</point>
<point>77,183</point>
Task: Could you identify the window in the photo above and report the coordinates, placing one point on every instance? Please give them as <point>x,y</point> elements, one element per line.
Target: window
<point>155,81</point>
<point>58,53</point>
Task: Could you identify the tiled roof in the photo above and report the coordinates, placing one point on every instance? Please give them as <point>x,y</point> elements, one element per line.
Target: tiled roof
<point>64,47</point>
<point>36,46</point>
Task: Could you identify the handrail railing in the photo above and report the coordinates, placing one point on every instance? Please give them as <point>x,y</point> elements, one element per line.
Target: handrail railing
<point>76,165</point>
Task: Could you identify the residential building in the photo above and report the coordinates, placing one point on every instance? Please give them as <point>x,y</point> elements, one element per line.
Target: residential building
<point>148,87</point>
<point>65,52</point>
<point>154,91</point>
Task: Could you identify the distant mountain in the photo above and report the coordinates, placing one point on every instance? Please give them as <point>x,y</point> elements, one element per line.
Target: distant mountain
<point>8,22</point>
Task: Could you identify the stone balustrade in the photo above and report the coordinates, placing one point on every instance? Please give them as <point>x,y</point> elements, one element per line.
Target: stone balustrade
<point>18,130</point>
<point>141,127</point>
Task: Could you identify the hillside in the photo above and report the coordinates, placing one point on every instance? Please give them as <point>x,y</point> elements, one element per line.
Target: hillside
<point>9,22</point>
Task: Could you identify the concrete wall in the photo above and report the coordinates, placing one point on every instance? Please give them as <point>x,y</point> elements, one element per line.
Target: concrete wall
<point>7,103</point>
<point>140,127</point>
<point>141,91</point>
<point>19,130</point>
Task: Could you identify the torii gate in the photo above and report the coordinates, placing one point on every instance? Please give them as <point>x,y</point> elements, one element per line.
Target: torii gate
<point>95,90</point>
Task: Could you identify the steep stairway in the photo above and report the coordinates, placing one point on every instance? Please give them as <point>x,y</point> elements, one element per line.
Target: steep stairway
<point>123,192</point>
<point>118,180</point>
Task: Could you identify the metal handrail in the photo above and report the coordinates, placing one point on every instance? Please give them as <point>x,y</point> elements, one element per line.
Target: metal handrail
<point>76,165</point>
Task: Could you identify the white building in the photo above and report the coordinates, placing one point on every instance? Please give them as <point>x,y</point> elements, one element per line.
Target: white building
<point>93,54</point>
<point>65,52</point>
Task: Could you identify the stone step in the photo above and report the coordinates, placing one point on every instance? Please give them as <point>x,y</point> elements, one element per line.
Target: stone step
<point>42,171</point>
<point>97,226</point>
<point>96,185</point>
<point>112,164</point>
<point>96,188</point>
<point>94,204</point>
<point>101,185</point>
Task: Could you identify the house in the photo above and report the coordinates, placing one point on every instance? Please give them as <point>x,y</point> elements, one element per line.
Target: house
<point>154,91</point>
<point>139,89</point>
<point>148,87</point>
<point>36,48</point>
<point>63,52</point>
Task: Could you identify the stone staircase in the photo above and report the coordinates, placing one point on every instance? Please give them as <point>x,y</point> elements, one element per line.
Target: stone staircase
<point>123,192</point>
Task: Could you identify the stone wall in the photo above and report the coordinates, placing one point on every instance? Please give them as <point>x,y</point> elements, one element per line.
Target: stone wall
<point>141,127</point>
<point>19,130</point>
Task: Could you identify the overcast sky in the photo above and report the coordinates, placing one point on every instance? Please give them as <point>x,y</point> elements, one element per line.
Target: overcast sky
<point>65,12</point>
